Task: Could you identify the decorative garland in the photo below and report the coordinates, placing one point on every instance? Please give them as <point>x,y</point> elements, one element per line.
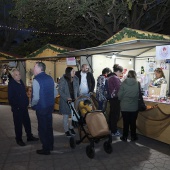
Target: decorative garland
<point>48,46</point>
<point>4,56</point>
<point>132,33</point>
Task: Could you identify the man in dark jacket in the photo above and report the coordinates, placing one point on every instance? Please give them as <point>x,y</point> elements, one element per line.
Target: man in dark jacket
<point>44,93</point>
<point>19,102</point>
<point>86,80</point>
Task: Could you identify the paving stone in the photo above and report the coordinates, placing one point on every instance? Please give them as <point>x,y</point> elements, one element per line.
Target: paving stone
<point>145,154</point>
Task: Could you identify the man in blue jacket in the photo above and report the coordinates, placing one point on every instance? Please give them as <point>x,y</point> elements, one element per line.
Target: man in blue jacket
<point>44,93</point>
<point>19,102</point>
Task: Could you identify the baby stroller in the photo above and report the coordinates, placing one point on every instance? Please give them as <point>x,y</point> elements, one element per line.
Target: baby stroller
<point>93,125</point>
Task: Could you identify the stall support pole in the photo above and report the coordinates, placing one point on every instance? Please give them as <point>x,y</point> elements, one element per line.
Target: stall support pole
<point>55,79</point>
<point>134,63</point>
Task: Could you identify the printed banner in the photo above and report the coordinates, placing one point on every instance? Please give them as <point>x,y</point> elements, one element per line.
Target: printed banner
<point>162,52</point>
<point>71,61</point>
<point>150,67</point>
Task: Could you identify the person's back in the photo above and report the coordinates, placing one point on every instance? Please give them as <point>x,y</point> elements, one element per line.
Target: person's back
<point>129,95</point>
<point>46,93</point>
<point>113,85</point>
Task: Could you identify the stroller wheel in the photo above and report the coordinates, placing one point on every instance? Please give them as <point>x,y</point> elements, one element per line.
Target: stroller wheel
<point>72,142</point>
<point>90,151</point>
<point>107,147</point>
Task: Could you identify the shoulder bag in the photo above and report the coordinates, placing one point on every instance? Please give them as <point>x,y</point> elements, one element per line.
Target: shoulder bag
<point>141,103</point>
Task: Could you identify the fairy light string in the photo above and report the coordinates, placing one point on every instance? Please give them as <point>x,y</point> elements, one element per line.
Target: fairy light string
<point>41,32</point>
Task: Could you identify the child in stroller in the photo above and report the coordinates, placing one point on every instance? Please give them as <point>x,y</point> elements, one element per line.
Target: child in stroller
<point>85,107</point>
<point>93,124</point>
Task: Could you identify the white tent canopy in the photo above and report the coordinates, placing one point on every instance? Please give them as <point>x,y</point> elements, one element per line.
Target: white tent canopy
<point>134,48</point>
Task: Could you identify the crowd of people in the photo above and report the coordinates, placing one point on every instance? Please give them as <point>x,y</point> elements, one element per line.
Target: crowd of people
<point>122,97</point>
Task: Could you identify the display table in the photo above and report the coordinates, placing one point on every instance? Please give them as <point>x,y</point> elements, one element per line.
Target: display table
<point>154,123</point>
<point>3,93</point>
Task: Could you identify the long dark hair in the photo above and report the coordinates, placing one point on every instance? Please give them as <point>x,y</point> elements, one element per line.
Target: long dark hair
<point>67,75</point>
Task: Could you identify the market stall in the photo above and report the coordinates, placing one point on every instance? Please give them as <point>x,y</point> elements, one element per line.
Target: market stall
<point>134,49</point>
<point>3,94</point>
<point>4,71</point>
<point>55,68</point>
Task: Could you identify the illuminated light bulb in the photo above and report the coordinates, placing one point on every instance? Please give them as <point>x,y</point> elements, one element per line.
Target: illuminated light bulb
<point>130,62</point>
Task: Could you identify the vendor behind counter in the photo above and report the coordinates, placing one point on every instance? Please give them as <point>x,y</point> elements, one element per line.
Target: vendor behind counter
<point>155,85</point>
<point>159,78</point>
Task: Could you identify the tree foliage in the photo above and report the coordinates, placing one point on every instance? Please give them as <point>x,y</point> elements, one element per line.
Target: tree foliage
<point>97,19</point>
<point>6,36</point>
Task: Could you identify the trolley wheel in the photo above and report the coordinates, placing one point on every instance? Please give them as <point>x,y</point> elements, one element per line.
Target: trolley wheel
<point>90,152</point>
<point>107,147</point>
<point>72,142</point>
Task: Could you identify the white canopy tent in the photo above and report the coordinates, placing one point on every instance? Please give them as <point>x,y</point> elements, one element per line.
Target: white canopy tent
<point>138,51</point>
<point>134,49</point>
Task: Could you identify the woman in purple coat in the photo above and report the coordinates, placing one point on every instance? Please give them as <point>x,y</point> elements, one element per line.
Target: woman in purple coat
<point>112,85</point>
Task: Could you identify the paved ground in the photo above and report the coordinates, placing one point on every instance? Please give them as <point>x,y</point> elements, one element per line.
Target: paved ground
<point>145,154</point>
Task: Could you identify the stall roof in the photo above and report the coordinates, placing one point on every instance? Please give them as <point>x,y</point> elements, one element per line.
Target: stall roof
<point>134,48</point>
<point>7,55</point>
<point>55,48</point>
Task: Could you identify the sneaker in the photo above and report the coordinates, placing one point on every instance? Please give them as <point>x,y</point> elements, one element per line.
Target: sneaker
<point>68,134</point>
<point>72,131</point>
<point>116,134</point>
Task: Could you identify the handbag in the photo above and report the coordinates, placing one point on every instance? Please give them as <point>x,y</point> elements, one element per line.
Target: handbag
<point>141,103</point>
<point>74,115</point>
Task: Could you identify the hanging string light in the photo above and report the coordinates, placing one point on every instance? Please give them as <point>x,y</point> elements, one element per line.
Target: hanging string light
<point>41,32</point>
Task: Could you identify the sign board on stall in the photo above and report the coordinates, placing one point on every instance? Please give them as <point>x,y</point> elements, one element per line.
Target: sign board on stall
<point>71,61</point>
<point>162,52</point>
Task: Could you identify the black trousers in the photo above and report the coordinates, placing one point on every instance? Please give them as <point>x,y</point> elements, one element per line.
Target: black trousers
<point>129,120</point>
<point>45,127</point>
<point>21,118</point>
<point>114,114</point>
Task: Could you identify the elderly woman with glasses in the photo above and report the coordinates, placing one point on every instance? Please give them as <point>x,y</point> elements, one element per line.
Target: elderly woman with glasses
<point>159,78</point>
